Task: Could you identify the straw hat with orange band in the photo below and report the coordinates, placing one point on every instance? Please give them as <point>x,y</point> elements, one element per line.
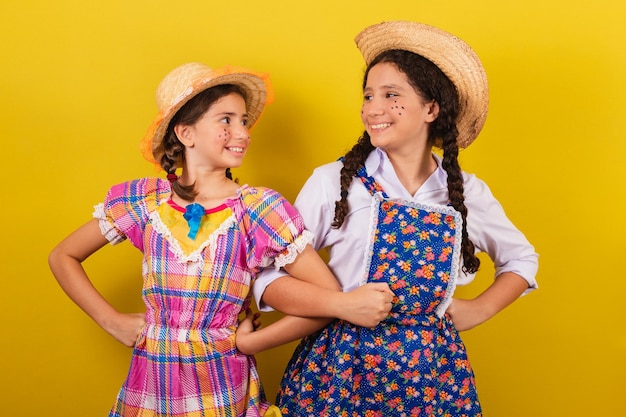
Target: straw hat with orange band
<point>188,80</point>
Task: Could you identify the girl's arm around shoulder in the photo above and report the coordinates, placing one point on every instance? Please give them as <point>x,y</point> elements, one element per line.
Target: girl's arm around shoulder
<point>65,261</point>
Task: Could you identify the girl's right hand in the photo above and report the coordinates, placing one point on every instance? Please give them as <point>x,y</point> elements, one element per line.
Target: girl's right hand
<point>367,305</point>
<point>125,328</point>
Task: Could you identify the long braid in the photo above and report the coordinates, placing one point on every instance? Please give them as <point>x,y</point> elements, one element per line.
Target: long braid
<point>450,163</point>
<point>174,157</point>
<point>352,161</point>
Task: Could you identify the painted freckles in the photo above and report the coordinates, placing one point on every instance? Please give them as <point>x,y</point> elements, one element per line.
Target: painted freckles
<point>397,107</point>
<point>224,136</point>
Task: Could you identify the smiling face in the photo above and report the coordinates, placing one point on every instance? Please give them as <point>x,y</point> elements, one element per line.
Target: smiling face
<point>220,138</point>
<point>395,116</point>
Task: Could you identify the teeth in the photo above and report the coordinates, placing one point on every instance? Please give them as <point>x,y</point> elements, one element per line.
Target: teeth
<point>380,126</point>
<point>235,149</point>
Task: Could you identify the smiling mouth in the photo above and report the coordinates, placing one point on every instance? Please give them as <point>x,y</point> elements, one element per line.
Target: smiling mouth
<point>380,126</point>
<point>236,149</point>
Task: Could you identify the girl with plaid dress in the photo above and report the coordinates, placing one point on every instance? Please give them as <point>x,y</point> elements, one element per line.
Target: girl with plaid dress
<point>204,238</point>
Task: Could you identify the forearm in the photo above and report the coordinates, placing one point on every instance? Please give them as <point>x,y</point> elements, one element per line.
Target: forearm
<point>467,314</point>
<point>506,288</point>
<point>72,278</point>
<point>299,298</point>
<point>285,330</point>
<point>65,262</point>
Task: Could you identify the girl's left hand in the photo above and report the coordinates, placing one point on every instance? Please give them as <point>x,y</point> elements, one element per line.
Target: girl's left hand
<point>466,314</point>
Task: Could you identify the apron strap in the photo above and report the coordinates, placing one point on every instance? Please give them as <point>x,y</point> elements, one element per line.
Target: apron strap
<point>370,183</point>
<point>372,186</point>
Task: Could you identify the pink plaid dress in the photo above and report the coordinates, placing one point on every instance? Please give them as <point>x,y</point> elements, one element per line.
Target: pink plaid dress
<point>185,362</point>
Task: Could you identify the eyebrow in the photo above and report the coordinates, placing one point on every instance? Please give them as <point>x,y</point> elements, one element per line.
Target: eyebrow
<point>228,113</point>
<point>387,87</point>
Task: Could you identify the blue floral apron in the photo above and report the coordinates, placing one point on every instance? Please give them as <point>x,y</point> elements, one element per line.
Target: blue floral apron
<point>414,362</point>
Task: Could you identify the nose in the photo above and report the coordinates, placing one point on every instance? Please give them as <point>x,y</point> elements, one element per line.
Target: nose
<point>241,132</point>
<point>373,107</point>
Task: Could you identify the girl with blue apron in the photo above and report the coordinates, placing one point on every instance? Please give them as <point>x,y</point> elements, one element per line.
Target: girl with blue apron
<point>414,362</point>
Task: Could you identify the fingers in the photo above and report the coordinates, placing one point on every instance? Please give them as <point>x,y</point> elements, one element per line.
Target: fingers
<point>382,287</point>
<point>256,322</point>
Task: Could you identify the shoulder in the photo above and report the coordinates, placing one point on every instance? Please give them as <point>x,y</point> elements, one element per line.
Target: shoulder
<point>264,204</point>
<point>256,195</point>
<point>331,170</point>
<point>325,177</point>
<point>137,190</point>
<point>260,199</point>
<point>474,187</point>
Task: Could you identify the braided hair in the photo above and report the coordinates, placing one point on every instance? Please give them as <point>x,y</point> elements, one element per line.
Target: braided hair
<point>173,150</point>
<point>430,84</point>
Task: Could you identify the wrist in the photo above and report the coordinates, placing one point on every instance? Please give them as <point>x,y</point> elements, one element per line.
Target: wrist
<point>483,310</point>
<point>338,304</point>
<point>108,320</point>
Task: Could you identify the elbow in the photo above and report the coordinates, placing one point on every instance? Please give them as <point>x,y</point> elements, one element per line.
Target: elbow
<point>53,258</point>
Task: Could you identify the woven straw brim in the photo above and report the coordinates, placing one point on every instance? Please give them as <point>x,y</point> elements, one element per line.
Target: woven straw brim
<point>187,81</point>
<point>453,56</point>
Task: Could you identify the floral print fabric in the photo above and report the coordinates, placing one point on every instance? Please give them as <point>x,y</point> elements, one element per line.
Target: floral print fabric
<point>414,362</point>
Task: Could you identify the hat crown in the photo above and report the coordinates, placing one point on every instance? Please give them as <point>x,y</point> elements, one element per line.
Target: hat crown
<point>179,83</point>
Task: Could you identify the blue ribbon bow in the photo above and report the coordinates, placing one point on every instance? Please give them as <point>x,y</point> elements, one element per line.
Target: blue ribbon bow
<point>193,215</point>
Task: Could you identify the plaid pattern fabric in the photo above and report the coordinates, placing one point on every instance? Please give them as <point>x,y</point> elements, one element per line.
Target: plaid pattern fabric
<point>185,362</point>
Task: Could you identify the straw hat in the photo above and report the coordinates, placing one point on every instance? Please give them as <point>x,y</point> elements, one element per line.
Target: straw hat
<point>188,80</point>
<point>454,57</point>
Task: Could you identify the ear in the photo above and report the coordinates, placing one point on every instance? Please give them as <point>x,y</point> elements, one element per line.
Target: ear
<point>433,111</point>
<point>184,134</point>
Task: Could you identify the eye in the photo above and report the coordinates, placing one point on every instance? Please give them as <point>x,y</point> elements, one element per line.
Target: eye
<point>245,122</point>
<point>367,97</point>
<point>391,95</point>
<point>225,119</point>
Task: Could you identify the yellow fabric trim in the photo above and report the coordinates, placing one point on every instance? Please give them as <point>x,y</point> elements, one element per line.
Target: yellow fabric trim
<point>177,225</point>
<point>273,411</point>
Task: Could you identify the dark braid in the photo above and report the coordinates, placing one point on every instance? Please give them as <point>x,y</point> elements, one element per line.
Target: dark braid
<point>431,84</point>
<point>352,161</point>
<point>174,157</point>
<point>172,151</point>
<point>450,163</point>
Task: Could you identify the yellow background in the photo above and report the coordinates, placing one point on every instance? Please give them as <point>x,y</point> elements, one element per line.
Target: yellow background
<point>77,82</point>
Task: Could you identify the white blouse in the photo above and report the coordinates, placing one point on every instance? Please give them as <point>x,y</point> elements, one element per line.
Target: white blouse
<point>488,227</point>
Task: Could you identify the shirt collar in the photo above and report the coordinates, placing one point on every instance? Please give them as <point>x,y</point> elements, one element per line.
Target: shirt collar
<point>378,164</point>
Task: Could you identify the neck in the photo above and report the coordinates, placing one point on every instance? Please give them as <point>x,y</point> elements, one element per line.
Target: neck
<point>212,187</point>
<point>413,170</point>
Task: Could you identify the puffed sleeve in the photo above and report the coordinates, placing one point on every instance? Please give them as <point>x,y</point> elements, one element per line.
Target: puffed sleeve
<point>126,210</point>
<point>274,230</point>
